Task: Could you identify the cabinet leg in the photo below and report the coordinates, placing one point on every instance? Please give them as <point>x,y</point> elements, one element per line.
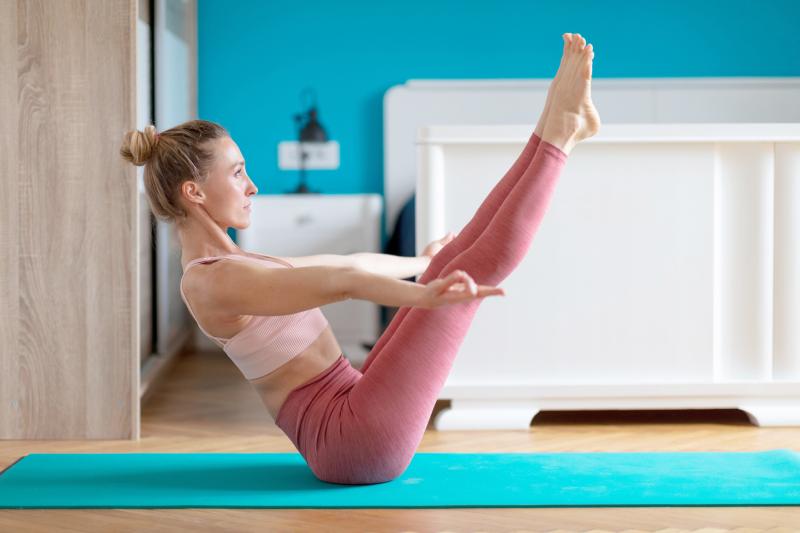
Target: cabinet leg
<point>773,415</point>
<point>485,415</point>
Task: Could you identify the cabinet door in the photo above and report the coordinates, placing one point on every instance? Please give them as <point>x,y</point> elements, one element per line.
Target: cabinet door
<point>619,283</point>
<point>336,224</point>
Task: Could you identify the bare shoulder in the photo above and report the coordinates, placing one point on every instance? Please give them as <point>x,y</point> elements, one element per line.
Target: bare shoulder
<point>223,285</point>
<point>205,279</point>
<point>200,286</point>
<point>198,277</point>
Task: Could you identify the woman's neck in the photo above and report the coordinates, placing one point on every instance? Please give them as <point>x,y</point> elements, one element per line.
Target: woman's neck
<point>202,240</point>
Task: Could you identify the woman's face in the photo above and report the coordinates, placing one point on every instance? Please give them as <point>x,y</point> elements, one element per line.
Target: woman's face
<point>228,187</point>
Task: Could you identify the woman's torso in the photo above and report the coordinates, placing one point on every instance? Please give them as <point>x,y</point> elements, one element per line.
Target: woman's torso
<point>275,386</point>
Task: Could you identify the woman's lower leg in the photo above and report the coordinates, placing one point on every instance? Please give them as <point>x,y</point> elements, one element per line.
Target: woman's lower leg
<point>466,236</point>
<point>485,212</point>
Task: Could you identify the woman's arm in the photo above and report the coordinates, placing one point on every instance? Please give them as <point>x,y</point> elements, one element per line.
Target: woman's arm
<point>384,290</point>
<point>394,266</point>
<point>458,286</point>
<point>245,288</point>
<point>249,288</point>
<point>399,266</point>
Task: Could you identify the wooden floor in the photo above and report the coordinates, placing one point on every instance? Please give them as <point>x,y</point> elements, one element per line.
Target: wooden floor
<point>205,405</point>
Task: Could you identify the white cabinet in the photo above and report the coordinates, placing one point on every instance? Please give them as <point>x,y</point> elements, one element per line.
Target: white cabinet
<point>289,225</point>
<point>663,276</point>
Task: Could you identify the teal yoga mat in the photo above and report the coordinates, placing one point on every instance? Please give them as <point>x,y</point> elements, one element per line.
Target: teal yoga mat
<point>283,480</point>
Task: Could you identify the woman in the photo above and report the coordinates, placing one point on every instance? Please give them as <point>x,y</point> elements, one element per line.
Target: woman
<point>351,426</point>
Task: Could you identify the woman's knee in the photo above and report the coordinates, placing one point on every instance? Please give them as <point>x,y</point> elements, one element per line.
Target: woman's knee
<point>363,470</point>
<point>371,477</point>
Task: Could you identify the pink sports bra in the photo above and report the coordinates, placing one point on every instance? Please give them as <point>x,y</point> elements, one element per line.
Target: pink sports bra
<point>266,342</point>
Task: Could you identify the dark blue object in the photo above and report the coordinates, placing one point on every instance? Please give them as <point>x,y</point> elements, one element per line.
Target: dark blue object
<point>402,241</point>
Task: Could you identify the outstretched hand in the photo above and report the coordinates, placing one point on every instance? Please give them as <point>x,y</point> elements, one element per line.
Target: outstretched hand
<point>434,247</point>
<point>454,288</point>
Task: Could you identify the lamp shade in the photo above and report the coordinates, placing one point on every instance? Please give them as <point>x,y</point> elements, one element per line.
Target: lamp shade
<point>313,130</point>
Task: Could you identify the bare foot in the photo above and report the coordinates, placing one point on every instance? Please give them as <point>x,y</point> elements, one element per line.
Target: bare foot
<point>568,37</point>
<point>572,116</point>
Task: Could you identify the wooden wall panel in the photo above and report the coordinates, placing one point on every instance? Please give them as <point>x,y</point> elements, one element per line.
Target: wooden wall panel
<point>10,416</point>
<point>70,311</point>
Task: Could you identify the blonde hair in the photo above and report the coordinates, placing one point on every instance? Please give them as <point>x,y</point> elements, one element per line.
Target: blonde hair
<point>171,157</point>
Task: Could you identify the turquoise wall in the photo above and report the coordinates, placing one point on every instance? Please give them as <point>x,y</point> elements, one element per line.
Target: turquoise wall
<point>255,58</point>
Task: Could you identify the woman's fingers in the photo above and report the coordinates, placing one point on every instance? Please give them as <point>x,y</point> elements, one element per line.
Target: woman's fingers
<point>486,290</point>
<point>464,287</point>
<point>458,286</point>
<point>459,276</point>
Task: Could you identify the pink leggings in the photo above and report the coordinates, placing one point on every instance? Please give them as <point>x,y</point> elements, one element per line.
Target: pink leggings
<point>362,427</point>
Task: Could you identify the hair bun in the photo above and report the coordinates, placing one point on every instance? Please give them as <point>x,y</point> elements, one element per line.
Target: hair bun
<point>139,146</point>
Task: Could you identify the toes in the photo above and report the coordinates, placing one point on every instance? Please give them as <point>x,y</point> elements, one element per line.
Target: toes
<point>579,41</point>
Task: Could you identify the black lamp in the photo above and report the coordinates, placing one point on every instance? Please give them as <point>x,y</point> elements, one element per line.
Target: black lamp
<point>310,132</point>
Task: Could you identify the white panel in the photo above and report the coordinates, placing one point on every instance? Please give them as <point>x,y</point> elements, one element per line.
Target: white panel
<point>618,281</point>
<point>430,205</point>
<point>318,155</point>
<point>725,100</point>
<point>419,103</point>
<point>743,261</point>
<point>176,57</point>
<point>176,102</point>
<point>786,365</point>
